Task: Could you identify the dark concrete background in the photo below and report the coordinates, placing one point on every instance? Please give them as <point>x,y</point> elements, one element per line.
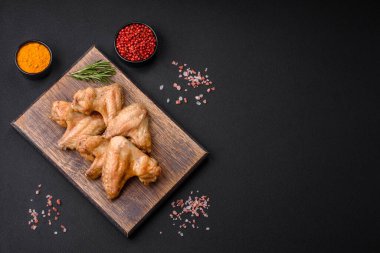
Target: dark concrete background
<point>292,129</point>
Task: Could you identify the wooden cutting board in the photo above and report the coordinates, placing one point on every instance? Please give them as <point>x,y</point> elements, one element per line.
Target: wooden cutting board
<point>177,153</point>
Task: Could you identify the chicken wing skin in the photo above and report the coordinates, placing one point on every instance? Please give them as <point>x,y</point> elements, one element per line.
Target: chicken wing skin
<point>123,161</point>
<point>77,124</point>
<point>93,148</point>
<point>132,122</point>
<point>107,100</point>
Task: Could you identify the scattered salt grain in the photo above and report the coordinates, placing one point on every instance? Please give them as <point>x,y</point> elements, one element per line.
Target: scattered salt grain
<point>198,103</point>
<point>63,229</point>
<point>161,87</point>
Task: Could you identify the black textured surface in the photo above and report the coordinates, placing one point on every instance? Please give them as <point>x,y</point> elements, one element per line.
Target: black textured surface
<point>292,129</point>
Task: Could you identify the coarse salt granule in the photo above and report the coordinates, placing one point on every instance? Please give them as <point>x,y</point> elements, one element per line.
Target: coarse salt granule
<point>161,87</point>
<point>63,228</point>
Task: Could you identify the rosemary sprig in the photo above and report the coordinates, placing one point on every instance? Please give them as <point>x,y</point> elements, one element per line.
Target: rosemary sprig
<point>99,71</point>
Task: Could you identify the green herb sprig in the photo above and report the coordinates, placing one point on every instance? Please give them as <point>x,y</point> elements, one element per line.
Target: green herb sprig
<point>100,71</point>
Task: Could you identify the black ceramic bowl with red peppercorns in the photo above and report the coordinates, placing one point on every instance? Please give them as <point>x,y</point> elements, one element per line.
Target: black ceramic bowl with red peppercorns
<point>136,43</point>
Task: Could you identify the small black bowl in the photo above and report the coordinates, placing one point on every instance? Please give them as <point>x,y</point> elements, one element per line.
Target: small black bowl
<point>136,62</point>
<point>39,74</point>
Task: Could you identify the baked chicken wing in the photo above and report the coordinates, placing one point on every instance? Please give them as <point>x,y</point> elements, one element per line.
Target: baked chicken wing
<point>77,124</point>
<point>107,100</point>
<point>132,122</point>
<point>123,161</point>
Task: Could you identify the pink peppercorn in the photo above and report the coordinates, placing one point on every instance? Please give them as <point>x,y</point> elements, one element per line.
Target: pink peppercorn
<point>136,42</point>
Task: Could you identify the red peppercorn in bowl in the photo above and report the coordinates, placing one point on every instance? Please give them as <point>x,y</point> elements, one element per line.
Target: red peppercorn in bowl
<point>136,42</point>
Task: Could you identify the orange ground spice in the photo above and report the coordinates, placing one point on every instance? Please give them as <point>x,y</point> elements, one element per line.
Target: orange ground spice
<point>33,57</point>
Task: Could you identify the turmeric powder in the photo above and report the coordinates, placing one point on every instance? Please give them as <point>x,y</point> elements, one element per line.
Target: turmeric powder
<point>33,57</point>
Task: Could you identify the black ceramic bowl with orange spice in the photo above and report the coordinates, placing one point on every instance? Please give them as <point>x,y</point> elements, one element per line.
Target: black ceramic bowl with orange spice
<point>33,58</point>
<point>136,43</point>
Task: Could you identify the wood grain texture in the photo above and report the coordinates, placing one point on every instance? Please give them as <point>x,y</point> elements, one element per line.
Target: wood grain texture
<point>177,153</point>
